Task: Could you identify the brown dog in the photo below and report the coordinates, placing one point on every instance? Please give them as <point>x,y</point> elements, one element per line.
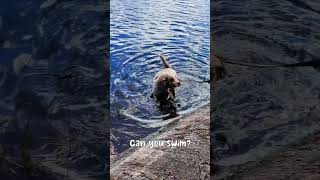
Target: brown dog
<point>165,83</point>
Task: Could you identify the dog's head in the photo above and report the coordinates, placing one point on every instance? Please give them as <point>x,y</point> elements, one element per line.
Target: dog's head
<point>168,81</point>
<point>173,82</point>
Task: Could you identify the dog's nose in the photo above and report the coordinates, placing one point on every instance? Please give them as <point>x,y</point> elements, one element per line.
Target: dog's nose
<point>178,83</point>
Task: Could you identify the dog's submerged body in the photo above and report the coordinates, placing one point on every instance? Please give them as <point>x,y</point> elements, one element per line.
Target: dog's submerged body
<point>165,83</point>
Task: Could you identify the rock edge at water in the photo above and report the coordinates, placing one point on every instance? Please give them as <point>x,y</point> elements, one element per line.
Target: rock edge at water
<point>191,162</point>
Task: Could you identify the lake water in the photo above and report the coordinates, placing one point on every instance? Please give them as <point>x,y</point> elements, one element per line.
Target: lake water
<point>140,30</point>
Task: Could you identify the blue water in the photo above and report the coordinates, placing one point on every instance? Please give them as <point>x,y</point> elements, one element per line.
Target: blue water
<point>140,30</point>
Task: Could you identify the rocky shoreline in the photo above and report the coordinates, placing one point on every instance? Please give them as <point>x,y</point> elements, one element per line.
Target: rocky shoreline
<point>169,162</point>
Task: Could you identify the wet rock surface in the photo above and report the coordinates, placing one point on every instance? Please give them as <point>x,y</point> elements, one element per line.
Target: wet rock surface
<point>184,162</point>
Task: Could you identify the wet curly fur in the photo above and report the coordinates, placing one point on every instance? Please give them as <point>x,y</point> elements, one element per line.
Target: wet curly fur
<point>165,83</point>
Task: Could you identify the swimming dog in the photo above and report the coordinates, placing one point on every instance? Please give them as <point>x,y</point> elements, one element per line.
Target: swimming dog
<point>164,84</point>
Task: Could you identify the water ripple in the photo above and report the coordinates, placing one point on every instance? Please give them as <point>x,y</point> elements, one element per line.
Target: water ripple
<point>139,31</point>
